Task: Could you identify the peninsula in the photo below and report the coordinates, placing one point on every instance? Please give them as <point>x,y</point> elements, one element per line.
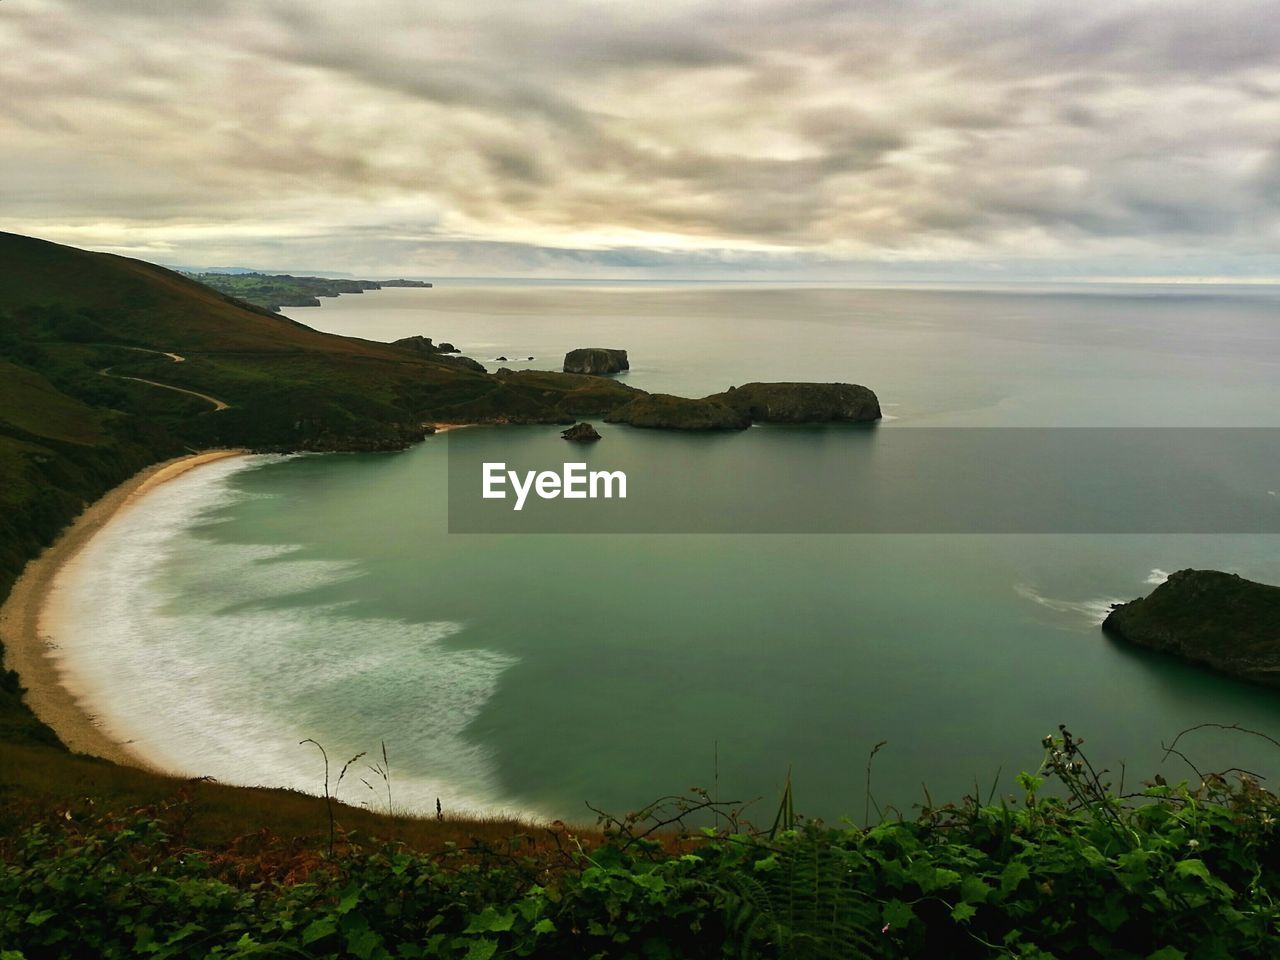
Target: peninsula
<point>276,290</point>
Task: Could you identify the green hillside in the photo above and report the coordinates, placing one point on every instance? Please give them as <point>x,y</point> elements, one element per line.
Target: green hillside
<point>67,313</point>
<point>108,364</point>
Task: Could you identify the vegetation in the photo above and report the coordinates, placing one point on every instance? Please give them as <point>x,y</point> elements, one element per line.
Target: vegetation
<point>274,291</point>
<point>1173,872</point>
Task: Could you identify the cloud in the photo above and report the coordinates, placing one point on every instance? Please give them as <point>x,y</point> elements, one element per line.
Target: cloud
<point>758,135</point>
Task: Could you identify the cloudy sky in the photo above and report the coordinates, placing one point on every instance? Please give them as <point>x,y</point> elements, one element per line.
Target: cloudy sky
<point>683,138</point>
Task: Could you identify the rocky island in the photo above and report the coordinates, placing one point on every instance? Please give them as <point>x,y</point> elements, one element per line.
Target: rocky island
<point>802,402</point>
<point>595,361</point>
<point>739,407</point>
<point>581,433</point>
<point>1219,620</point>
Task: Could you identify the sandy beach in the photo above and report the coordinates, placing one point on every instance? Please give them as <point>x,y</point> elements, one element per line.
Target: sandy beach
<point>28,651</point>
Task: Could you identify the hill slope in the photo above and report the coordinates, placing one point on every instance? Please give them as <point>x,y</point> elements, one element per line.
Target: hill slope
<point>108,364</point>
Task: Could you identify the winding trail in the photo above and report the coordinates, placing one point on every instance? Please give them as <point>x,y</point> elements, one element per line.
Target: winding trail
<point>217,404</point>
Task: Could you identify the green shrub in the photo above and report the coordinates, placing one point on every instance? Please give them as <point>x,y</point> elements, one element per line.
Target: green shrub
<point>1173,872</point>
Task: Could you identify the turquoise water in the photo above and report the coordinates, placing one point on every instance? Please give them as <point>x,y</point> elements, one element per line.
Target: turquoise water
<point>254,603</point>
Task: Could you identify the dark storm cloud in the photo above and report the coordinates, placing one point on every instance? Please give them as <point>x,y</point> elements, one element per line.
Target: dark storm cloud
<point>757,132</point>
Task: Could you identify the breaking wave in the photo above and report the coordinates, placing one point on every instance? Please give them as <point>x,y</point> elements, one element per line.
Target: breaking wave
<point>216,659</point>
<point>1092,612</point>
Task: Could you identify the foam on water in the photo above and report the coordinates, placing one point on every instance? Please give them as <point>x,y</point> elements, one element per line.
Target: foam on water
<point>1157,577</point>
<point>209,659</point>
<point>1091,611</point>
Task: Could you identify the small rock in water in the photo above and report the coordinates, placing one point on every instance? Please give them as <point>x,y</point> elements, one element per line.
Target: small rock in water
<point>581,433</point>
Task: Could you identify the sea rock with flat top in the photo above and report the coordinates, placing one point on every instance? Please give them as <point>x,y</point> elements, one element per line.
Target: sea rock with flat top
<point>596,360</point>
<point>802,402</point>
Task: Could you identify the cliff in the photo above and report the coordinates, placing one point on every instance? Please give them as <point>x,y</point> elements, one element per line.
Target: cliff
<point>596,361</point>
<point>802,402</point>
<point>738,407</point>
<point>1219,620</point>
<point>274,291</point>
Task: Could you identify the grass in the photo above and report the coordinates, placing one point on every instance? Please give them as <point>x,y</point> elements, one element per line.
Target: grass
<point>43,781</point>
<point>30,404</point>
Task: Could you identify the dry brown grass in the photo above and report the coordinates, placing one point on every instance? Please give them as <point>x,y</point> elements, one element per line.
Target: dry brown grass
<point>38,782</point>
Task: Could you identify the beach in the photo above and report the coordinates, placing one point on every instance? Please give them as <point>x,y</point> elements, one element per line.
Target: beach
<point>446,427</point>
<point>27,649</point>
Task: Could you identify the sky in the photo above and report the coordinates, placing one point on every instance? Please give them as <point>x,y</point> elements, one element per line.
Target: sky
<point>755,139</point>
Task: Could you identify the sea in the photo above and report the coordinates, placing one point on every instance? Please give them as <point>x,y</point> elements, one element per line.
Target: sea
<point>257,603</point>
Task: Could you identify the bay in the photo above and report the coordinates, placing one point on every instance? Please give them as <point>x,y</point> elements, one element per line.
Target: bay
<point>267,600</point>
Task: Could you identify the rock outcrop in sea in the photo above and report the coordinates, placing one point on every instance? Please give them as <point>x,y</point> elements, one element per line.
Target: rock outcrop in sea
<point>738,407</point>
<point>581,433</point>
<point>585,390</point>
<point>802,402</point>
<point>445,353</point>
<point>1219,620</point>
<point>596,360</point>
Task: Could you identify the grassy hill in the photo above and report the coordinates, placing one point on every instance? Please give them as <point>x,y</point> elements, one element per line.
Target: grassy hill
<point>95,353</point>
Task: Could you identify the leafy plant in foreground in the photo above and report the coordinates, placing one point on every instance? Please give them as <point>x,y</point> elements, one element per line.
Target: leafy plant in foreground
<point>1172,871</point>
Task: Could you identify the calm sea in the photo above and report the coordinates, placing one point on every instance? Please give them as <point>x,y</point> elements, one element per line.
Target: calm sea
<point>255,603</point>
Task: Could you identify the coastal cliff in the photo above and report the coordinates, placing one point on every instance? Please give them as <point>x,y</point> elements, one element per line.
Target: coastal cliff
<point>1219,620</point>
<point>802,402</point>
<point>739,407</point>
<point>277,290</point>
<point>596,361</point>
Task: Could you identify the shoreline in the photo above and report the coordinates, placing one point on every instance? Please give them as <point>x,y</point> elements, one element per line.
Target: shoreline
<point>446,427</point>
<point>27,649</point>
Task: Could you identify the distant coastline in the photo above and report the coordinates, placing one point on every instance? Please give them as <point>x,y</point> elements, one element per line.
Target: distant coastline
<point>26,644</point>
<point>276,290</point>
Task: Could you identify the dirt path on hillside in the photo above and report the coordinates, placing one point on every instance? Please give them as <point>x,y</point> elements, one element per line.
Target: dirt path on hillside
<point>176,358</point>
